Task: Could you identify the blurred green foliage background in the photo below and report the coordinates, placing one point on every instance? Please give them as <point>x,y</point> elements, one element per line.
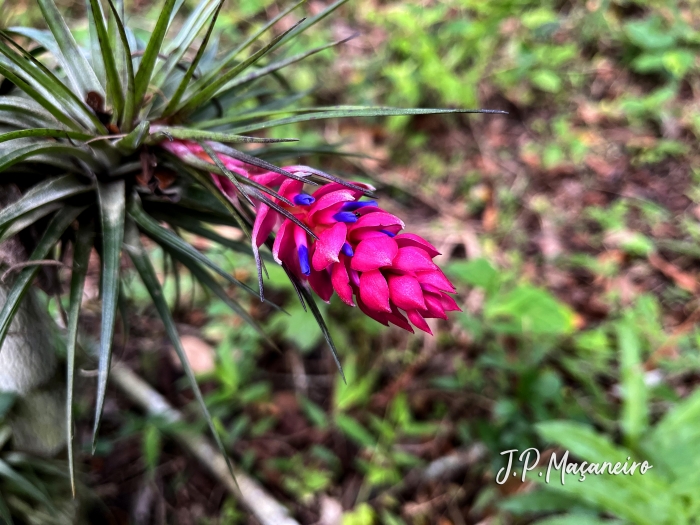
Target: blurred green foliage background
<point>570,227</point>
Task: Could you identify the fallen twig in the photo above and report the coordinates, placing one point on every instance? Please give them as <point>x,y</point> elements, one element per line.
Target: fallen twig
<point>264,507</point>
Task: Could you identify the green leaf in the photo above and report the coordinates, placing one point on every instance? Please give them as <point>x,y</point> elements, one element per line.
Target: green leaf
<point>177,96</point>
<point>52,190</point>
<point>229,58</point>
<point>276,66</point>
<point>209,85</point>
<point>198,135</point>
<point>477,272</point>
<point>148,275</point>
<point>26,65</point>
<point>129,95</point>
<point>308,297</point>
<point>48,150</point>
<point>634,416</point>
<point>178,245</point>
<point>44,132</point>
<point>57,112</point>
<point>133,140</point>
<point>150,54</point>
<point>5,511</point>
<point>81,256</point>
<point>355,431</point>
<point>79,72</point>
<point>231,176</point>
<point>531,310</point>
<point>20,286</point>
<point>375,112</point>
<point>178,46</point>
<point>22,106</point>
<point>312,21</point>
<point>24,485</point>
<point>115,96</point>
<point>112,201</point>
<point>28,219</point>
<point>208,282</point>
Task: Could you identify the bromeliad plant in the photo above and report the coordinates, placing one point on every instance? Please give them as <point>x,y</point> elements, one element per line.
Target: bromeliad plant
<point>128,138</point>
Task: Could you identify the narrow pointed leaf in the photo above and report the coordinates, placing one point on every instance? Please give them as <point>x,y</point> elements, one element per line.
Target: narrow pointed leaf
<point>228,60</point>
<point>49,191</point>
<point>133,140</point>
<point>112,212</point>
<point>207,87</point>
<point>177,96</point>
<point>195,134</point>
<point>28,219</point>
<point>5,511</point>
<point>234,180</point>
<point>129,93</point>
<point>46,148</point>
<point>177,244</point>
<point>56,112</point>
<point>20,286</point>
<point>276,66</point>
<point>77,67</point>
<point>24,485</point>
<point>81,256</point>
<point>44,133</point>
<point>150,55</point>
<point>115,97</point>
<point>371,112</point>
<point>312,21</point>
<point>322,325</point>
<point>98,65</point>
<point>148,275</point>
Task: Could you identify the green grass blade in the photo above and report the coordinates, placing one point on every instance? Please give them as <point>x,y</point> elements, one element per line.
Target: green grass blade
<point>195,134</point>
<point>48,148</point>
<point>112,212</point>
<point>81,255</point>
<point>177,96</point>
<point>207,87</point>
<point>145,270</point>
<point>115,97</point>
<point>79,71</point>
<point>20,286</point>
<point>126,122</point>
<point>150,54</point>
<point>375,112</point>
<point>44,193</point>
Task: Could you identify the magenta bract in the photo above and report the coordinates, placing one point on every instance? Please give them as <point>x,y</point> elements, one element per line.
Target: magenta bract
<point>359,252</point>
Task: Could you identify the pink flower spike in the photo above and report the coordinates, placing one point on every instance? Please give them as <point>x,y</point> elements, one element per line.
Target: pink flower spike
<point>321,284</point>
<point>435,309</point>
<point>328,246</point>
<point>437,279</point>
<point>417,319</point>
<point>374,253</point>
<point>411,239</point>
<point>265,220</point>
<point>341,282</point>
<point>412,259</point>
<point>405,292</point>
<point>374,291</point>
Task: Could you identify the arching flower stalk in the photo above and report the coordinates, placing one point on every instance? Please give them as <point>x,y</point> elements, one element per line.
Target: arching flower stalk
<point>356,248</point>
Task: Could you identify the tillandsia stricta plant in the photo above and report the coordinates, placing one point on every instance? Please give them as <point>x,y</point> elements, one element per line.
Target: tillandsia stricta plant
<point>126,138</point>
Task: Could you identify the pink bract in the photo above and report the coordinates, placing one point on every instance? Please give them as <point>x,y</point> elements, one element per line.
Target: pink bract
<point>359,252</point>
